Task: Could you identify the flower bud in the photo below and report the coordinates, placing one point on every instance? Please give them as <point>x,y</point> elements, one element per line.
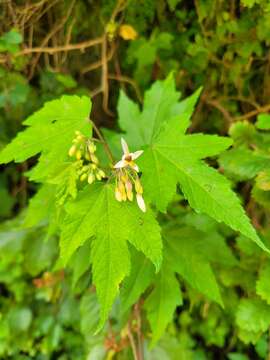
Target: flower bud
<point>94,159</point>
<point>72,150</point>
<point>92,148</point>
<point>87,156</point>
<point>85,168</point>
<point>129,192</point>
<point>122,189</point>
<point>77,133</point>
<point>140,202</point>
<point>91,178</point>
<point>83,177</point>
<point>118,194</point>
<point>78,154</point>
<point>124,178</point>
<point>102,173</point>
<point>80,138</point>
<point>93,166</point>
<point>138,186</point>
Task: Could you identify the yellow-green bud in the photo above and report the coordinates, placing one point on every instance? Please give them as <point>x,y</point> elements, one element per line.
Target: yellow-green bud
<point>93,166</point>
<point>72,150</point>
<point>118,194</point>
<point>91,178</point>
<point>129,192</point>
<point>98,176</point>
<point>122,189</point>
<point>102,173</point>
<point>138,186</point>
<point>85,168</point>
<point>92,147</point>
<point>78,154</point>
<point>94,159</point>
<point>87,156</point>
<point>83,177</point>
<point>80,138</point>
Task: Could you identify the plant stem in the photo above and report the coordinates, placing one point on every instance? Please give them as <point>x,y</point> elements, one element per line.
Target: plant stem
<point>102,140</point>
<point>132,342</point>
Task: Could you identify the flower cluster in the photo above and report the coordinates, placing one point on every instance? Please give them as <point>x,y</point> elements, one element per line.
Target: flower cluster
<point>127,179</point>
<point>84,151</point>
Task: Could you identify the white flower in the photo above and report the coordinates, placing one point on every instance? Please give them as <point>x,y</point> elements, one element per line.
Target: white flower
<point>141,202</point>
<point>128,158</point>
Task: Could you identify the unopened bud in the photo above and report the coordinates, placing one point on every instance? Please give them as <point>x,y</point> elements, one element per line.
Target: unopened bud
<point>77,133</point>
<point>87,156</point>
<point>80,138</point>
<point>78,154</point>
<point>83,177</point>
<point>98,176</point>
<point>129,192</point>
<point>138,186</point>
<point>93,166</point>
<point>140,202</point>
<point>118,194</point>
<point>92,147</point>
<point>72,150</point>
<point>122,189</point>
<point>94,159</point>
<point>124,178</point>
<point>85,168</point>
<point>91,178</point>
<point>102,173</point>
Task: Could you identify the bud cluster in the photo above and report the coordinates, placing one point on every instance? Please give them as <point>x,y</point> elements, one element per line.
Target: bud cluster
<point>128,182</point>
<point>84,151</point>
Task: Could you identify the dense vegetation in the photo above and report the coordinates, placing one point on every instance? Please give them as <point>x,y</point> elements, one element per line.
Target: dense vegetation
<point>166,255</point>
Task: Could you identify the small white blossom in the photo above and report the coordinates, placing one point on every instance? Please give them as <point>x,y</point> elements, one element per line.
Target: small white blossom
<point>128,158</point>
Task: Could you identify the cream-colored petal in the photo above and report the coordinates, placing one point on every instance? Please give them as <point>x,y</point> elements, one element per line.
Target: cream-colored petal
<point>120,164</point>
<point>140,202</point>
<point>124,146</point>
<point>136,154</point>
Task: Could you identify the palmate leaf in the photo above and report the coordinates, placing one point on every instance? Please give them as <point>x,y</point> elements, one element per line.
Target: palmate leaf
<point>172,158</point>
<point>189,261</point>
<point>95,213</point>
<point>140,277</point>
<point>50,132</point>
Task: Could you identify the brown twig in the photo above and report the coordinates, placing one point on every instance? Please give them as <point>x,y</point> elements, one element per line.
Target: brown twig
<point>128,80</point>
<point>102,140</point>
<point>49,36</point>
<point>80,46</point>
<point>138,330</point>
<point>132,342</point>
<point>261,109</point>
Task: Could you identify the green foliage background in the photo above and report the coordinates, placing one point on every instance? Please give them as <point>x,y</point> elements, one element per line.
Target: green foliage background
<point>223,46</point>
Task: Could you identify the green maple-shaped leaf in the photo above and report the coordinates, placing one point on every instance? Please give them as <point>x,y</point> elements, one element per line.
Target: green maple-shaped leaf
<point>50,131</point>
<point>96,214</point>
<point>189,261</point>
<point>140,277</point>
<point>171,157</point>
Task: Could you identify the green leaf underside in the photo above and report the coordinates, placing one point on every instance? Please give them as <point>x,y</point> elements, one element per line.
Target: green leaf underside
<point>95,213</point>
<point>185,258</point>
<point>141,275</point>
